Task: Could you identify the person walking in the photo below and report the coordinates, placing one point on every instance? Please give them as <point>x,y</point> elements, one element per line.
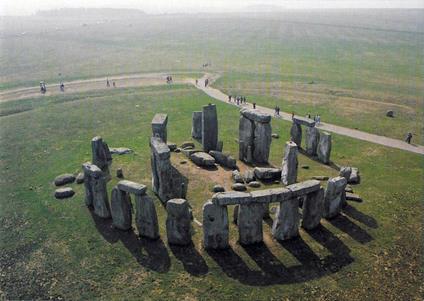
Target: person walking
<point>229,98</point>
<point>292,115</point>
<point>408,138</point>
<point>318,120</point>
<point>254,105</point>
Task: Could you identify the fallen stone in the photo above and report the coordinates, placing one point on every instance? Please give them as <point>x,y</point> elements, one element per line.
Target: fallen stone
<point>80,178</point>
<point>236,176</point>
<point>209,128</point>
<point>120,151</point>
<point>324,147</point>
<point>249,222</point>
<point>304,121</point>
<point>256,115</point>
<point>215,226</point>
<point>353,197</point>
<point>290,163</point>
<point>178,222</point>
<point>334,197</point>
<point>187,144</point>
<point>188,152</point>
<point>119,173</point>
<point>238,187</point>
<point>390,114</point>
<point>320,178</point>
<point>159,124</point>
<point>146,218</point>
<point>202,159</point>
<point>132,187</point>
<point>354,178</point>
<point>64,179</point>
<point>345,172</point>
<point>218,188</point>
<point>249,175</point>
<point>267,174</point>
<point>172,146</point>
<point>275,136</point>
<point>224,159</point>
<point>120,205</point>
<point>63,193</point>
<point>254,184</point>
<point>196,127</point>
<point>286,223</point>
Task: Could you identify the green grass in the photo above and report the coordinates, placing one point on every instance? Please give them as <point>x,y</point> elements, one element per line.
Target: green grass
<point>55,248</point>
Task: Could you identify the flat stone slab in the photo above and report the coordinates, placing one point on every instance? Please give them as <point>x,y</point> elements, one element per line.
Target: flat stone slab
<point>304,121</point>
<point>202,159</point>
<point>132,187</point>
<point>254,184</point>
<point>120,150</point>
<point>63,193</point>
<point>224,159</point>
<point>238,187</point>
<point>218,188</point>
<point>64,179</point>
<point>267,174</point>
<point>187,144</point>
<point>302,188</point>
<point>189,151</point>
<point>256,115</point>
<point>231,198</point>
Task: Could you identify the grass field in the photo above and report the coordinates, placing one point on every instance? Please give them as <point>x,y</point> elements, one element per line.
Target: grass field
<point>54,248</point>
<point>348,66</point>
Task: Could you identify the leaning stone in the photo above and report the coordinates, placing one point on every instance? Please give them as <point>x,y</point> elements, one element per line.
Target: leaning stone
<point>218,188</point>
<point>202,159</point>
<point>296,134</point>
<point>146,218</point>
<point>353,197</point>
<point>334,197</point>
<point>354,178</point>
<point>238,187</point>
<point>64,179</point>
<point>320,178</point>
<point>249,175</point>
<point>209,128</point>
<point>312,209</point>
<point>290,163</point>
<point>120,151</point>
<point>63,193</point>
<point>286,223</point>
<point>132,187</point>
<point>345,172</point>
<point>215,226</point>
<point>120,206</point>
<point>119,173</point>
<point>237,178</point>
<point>231,198</point>
<point>324,147</point>
<point>254,184</point>
<point>80,178</point>
<point>249,222</point>
<point>267,174</point>
<point>304,121</point>
<point>256,115</point>
<point>178,222</point>
<point>187,144</point>
<point>159,124</point>
<point>172,146</point>
<point>312,140</point>
<point>196,127</point>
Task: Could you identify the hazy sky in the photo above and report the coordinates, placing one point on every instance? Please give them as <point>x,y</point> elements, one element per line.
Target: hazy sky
<point>26,7</point>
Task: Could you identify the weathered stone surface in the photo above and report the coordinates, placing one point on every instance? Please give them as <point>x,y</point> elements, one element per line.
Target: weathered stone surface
<point>132,187</point>
<point>172,146</point>
<point>167,182</point>
<point>120,150</point>
<point>120,206</point>
<point>238,187</point>
<point>349,189</point>
<point>246,130</point>
<point>90,170</point>
<point>255,115</point>
<point>220,145</point>
<point>178,222</point>
<point>304,121</point>
<point>189,151</point>
<point>345,172</point>
<point>218,188</point>
<point>237,178</point>
<point>101,156</point>
<point>146,218</point>
<point>286,223</point>
<point>249,175</point>
<point>275,136</point>
<point>249,223</point>
<point>224,159</point>
<point>324,147</point>
<point>311,140</point>
<point>312,209</point>
<point>80,178</point>
<point>215,226</point>
<point>261,142</point>
<point>209,128</point>
<point>303,188</point>
<point>290,163</point>
<point>334,196</point>
<point>231,198</point>
<point>320,178</point>
<point>254,184</point>
<point>353,197</point>
<point>354,178</point>
<point>202,159</point>
<point>159,123</point>
<point>63,193</point>
<point>100,197</point>
<point>390,114</point>
<point>196,126</point>
<point>267,174</point>
<point>64,179</point>
<point>119,173</point>
<point>187,144</point>
<point>235,213</point>
<point>296,134</point>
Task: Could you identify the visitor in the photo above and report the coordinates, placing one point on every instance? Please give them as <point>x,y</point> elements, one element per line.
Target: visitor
<point>318,120</point>
<point>308,116</point>
<point>114,85</point>
<point>408,138</point>
<point>229,98</point>
<point>254,105</point>
<point>197,82</point>
<point>292,115</point>
<point>107,83</point>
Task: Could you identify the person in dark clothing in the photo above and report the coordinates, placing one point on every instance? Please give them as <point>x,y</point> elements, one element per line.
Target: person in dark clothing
<point>408,138</point>
<point>229,98</point>
<point>107,83</point>
<point>254,105</point>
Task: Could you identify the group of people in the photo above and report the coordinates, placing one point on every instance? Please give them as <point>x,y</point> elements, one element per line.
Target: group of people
<point>169,79</point>
<point>317,118</point>
<point>108,83</point>
<point>237,99</point>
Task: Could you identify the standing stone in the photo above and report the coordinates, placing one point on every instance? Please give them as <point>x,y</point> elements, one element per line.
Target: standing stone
<point>178,222</point>
<point>312,140</point>
<point>262,142</point>
<point>354,178</point>
<point>100,198</point>
<point>159,123</point>
<point>220,145</point>
<point>286,223</point>
<point>215,226</point>
<point>296,134</point>
<point>334,197</point>
<point>345,172</point>
<point>88,170</point>
<point>101,156</point>
<point>249,223</point>
<point>324,147</point>
<point>290,163</point>
<point>196,126</point>
<point>146,217</point>
<point>209,128</point>
<point>245,139</point>
<point>312,209</point>
<point>121,209</point>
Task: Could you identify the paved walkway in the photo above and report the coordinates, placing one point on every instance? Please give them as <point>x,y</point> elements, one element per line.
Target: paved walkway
<point>390,142</point>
